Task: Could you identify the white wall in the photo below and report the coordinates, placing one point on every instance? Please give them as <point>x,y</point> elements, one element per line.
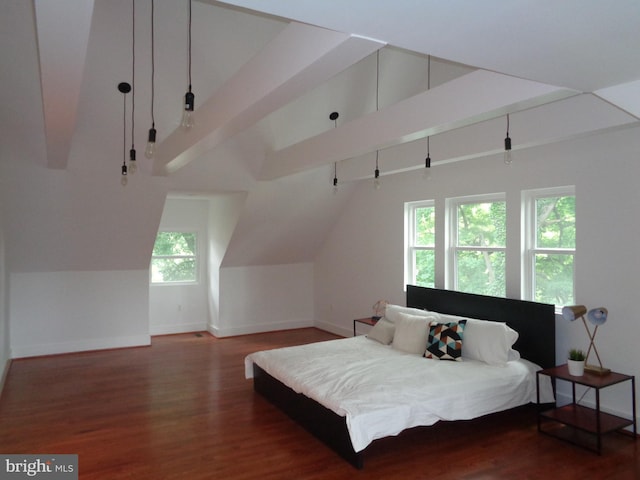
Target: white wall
<point>57,312</point>
<point>362,258</point>
<point>183,308</point>
<point>224,211</point>
<point>265,298</point>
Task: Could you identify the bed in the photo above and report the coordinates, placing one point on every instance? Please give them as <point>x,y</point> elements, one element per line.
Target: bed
<point>350,392</point>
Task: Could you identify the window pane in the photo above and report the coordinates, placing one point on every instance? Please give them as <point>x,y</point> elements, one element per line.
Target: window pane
<point>173,270</point>
<point>425,226</point>
<point>481,272</point>
<point>424,270</point>
<point>554,279</point>
<point>482,224</point>
<point>556,222</point>
<point>175,243</point>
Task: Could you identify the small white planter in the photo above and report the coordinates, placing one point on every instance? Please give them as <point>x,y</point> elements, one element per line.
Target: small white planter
<point>576,367</point>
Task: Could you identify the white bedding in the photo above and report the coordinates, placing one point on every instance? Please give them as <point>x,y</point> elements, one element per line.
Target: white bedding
<point>382,391</point>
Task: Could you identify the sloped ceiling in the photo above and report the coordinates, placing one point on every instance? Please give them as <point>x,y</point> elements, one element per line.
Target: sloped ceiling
<point>266,75</point>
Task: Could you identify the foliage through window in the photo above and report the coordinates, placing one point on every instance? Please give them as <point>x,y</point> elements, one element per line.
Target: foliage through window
<point>550,245</point>
<point>420,252</point>
<point>478,245</point>
<point>174,258</point>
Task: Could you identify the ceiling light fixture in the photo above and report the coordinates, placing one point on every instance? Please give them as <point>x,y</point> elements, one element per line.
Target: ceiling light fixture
<point>150,151</point>
<point>124,88</point>
<point>189,98</point>
<point>132,153</point>
<point>334,116</point>
<point>508,158</point>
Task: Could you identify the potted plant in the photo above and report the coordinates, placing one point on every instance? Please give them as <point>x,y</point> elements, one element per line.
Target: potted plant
<point>576,362</point>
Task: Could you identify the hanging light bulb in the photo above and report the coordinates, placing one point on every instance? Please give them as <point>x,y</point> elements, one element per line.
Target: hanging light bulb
<point>189,98</point>
<point>508,158</point>
<point>376,174</point>
<point>187,115</point>
<point>123,178</point>
<point>150,150</point>
<point>426,174</point>
<point>133,167</point>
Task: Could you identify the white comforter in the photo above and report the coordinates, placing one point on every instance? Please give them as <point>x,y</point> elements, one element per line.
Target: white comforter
<point>382,391</point>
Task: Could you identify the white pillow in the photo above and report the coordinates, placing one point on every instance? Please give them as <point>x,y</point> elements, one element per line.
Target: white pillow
<point>489,342</point>
<point>411,333</point>
<point>392,312</point>
<point>382,331</point>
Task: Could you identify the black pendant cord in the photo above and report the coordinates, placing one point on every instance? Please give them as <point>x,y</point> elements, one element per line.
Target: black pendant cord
<point>153,67</point>
<point>427,161</point>
<point>189,47</point>
<point>377,170</point>
<point>133,77</point>
<point>124,132</point>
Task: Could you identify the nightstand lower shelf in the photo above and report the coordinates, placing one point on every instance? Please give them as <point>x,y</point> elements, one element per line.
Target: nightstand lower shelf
<point>573,422</point>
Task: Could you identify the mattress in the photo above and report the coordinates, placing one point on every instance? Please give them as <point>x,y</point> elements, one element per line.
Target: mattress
<point>382,391</point>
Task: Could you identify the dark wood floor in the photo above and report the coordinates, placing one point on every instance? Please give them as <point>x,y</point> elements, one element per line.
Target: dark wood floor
<point>182,409</point>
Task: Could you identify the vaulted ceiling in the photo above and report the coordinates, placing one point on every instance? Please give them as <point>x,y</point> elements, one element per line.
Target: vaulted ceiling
<point>267,74</point>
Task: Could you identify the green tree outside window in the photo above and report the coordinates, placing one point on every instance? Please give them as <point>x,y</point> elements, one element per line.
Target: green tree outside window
<point>174,258</point>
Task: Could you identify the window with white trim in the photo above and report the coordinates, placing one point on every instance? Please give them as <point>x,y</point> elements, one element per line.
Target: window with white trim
<point>174,259</point>
<point>549,237</point>
<point>477,244</point>
<point>420,227</point>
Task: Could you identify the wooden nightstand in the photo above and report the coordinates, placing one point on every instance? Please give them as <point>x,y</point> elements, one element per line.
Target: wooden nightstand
<point>579,424</point>
<point>371,321</point>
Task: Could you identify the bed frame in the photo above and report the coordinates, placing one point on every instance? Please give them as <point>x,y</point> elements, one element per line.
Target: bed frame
<point>535,323</point>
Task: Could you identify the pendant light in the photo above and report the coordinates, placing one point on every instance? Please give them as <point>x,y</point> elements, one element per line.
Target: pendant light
<point>189,98</point>
<point>427,161</point>
<point>149,152</point>
<point>376,173</point>
<point>426,175</point>
<point>124,88</point>
<point>132,153</point>
<point>508,158</point>
<point>334,116</point>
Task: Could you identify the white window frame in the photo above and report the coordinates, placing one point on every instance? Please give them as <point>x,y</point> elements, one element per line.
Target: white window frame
<point>529,235</point>
<point>409,239</point>
<point>451,240</point>
<point>196,259</point>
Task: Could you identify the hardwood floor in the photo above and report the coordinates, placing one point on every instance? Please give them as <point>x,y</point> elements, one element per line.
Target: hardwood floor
<point>182,409</point>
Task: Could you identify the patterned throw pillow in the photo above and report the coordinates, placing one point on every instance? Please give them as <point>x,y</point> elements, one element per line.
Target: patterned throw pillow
<point>445,340</point>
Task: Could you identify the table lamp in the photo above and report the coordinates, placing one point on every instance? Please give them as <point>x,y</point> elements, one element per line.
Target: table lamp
<point>597,317</point>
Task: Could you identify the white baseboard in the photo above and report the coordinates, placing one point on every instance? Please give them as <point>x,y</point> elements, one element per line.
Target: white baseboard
<point>257,328</point>
<point>335,329</point>
<point>79,346</point>
<point>173,329</point>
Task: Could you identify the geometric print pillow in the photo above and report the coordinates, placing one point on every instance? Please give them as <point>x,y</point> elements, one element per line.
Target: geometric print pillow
<point>445,340</point>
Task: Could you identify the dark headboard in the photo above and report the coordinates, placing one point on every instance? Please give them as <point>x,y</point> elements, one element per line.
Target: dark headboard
<point>534,322</point>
